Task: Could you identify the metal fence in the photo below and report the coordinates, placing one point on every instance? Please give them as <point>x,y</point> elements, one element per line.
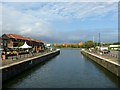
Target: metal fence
<point>112,55</point>
<point>27,55</point>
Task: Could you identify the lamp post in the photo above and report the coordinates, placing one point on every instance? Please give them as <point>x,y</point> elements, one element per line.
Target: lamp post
<point>99,40</point>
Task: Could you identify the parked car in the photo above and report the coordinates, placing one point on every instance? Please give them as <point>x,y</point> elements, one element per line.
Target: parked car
<point>118,49</point>
<point>105,51</point>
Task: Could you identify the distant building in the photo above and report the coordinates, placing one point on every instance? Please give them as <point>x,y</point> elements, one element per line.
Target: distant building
<point>55,44</point>
<point>13,40</point>
<point>103,48</point>
<point>81,43</point>
<point>114,47</point>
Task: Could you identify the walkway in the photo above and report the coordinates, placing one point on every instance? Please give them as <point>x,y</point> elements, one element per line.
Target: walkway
<point>110,56</point>
<point>11,59</point>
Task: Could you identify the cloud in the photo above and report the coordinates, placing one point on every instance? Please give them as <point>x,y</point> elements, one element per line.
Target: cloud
<point>88,34</point>
<point>14,21</point>
<point>65,10</point>
<point>35,19</point>
<point>61,1</point>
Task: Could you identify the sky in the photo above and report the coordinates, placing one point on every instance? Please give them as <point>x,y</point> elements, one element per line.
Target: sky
<point>61,22</point>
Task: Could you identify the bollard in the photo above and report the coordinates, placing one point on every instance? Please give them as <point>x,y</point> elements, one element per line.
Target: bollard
<point>113,55</point>
<point>12,57</point>
<point>16,57</point>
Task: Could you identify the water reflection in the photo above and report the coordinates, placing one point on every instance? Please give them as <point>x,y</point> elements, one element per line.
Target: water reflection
<point>107,73</point>
<point>68,70</point>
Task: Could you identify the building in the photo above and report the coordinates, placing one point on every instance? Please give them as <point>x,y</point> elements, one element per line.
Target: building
<point>114,47</point>
<point>1,43</point>
<point>13,40</point>
<point>81,43</point>
<point>103,48</point>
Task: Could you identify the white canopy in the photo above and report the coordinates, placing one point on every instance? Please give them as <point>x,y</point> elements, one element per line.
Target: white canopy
<point>112,46</point>
<point>25,46</point>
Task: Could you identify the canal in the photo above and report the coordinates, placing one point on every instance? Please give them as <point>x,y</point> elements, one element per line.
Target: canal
<point>70,69</point>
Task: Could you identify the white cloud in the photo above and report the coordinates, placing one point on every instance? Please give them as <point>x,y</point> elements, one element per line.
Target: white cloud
<point>14,21</point>
<point>61,0</point>
<point>67,10</point>
<point>34,19</point>
<point>26,30</point>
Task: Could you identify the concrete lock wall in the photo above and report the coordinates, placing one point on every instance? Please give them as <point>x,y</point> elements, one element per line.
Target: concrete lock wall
<point>16,69</point>
<point>112,67</point>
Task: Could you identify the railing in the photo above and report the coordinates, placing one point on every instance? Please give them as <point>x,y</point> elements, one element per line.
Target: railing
<point>112,55</point>
<point>24,55</point>
<point>13,59</point>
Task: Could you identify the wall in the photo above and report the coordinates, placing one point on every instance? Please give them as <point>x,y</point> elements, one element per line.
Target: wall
<point>111,66</point>
<point>10,44</point>
<point>16,69</point>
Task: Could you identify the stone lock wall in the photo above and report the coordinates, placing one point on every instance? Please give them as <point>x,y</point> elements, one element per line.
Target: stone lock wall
<point>112,67</point>
<point>12,71</point>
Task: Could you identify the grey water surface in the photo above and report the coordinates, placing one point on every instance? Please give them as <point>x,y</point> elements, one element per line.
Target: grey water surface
<point>70,69</point>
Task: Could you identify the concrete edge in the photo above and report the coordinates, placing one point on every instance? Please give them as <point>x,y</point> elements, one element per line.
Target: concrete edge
<point>109,65</point>
<point>103,58</point>
<point>28,59</point>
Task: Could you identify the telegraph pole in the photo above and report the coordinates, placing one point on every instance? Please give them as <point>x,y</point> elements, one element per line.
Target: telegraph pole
<point>99,40</point>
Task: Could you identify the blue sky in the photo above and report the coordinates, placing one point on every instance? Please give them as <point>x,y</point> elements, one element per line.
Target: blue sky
<point>62,22</point>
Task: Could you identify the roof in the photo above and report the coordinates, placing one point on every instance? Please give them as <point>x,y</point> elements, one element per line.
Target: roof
<point>37,41</point>
<point>17,37</point>
<point>14,36</point>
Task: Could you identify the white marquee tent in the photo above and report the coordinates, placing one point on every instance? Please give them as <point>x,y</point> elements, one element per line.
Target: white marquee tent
<point>25,46</point>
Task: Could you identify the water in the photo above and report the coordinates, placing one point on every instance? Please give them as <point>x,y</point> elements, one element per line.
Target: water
<point>70,69</point>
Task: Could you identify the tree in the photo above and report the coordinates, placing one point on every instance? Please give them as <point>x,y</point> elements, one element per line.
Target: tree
<point>116,43</point>
<point>20,44</point>
<point>89,44</point>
